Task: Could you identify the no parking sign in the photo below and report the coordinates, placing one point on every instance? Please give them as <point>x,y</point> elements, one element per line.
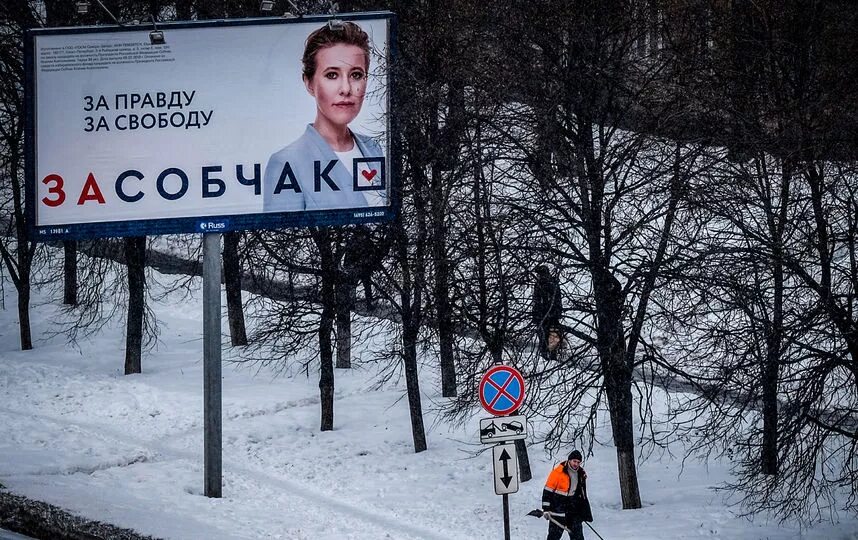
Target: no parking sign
<point>501,390</point>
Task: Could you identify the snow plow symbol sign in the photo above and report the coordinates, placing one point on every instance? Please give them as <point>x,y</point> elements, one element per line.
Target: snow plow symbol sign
<point>501,390</point>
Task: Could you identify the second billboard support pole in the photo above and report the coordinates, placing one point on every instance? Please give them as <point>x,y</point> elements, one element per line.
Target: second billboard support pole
<point>212,417</point>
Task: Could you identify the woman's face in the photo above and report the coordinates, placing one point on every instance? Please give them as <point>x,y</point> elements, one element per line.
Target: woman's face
<point>339,83</point>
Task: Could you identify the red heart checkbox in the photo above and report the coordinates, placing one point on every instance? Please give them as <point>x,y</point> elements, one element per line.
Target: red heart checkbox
<point>369,175</point>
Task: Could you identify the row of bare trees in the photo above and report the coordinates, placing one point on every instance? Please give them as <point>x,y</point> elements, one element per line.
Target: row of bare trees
<point>691,177</point>
<point>688,169</point>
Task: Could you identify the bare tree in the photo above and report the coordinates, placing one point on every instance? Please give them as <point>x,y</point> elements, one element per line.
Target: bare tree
<point>769,321</point>
<point>135,260</point>
<point>16,248</point>
<point>604,196</point>
<point>232,280</point>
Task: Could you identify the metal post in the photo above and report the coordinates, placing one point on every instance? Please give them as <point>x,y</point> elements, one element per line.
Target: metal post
<point>506,517</point>
<point>212,416</point>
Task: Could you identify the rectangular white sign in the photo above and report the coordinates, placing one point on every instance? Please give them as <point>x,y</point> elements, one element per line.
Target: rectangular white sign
<point>502,428</point>
<point>505,465</point>
<point>285,121</point>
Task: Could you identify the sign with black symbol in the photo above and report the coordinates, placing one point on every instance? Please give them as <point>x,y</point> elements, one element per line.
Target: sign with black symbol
<point>505,464</point>
<point>504,428</point>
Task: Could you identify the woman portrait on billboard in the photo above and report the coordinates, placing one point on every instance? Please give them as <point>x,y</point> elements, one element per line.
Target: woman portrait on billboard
<point>330,166</point>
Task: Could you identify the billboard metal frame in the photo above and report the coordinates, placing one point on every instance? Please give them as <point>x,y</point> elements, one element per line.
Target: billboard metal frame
<point>204,224</point>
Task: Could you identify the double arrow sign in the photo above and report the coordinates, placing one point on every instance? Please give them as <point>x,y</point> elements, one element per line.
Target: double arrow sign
<point>505,463</point>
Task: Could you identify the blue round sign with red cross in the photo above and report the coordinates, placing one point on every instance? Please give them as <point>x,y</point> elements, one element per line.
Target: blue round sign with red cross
<point>501,390</point>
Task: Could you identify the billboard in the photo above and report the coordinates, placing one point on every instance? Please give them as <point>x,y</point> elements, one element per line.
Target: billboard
<point>227,125</point>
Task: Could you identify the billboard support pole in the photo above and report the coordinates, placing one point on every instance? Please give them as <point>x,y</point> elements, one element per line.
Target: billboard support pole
<point>212,414</point>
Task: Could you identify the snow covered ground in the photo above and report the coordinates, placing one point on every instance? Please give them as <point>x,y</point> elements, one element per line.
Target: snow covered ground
<point>76,433</point>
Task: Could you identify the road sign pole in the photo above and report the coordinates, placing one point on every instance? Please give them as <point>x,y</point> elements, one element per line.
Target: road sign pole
<point>506,517</point>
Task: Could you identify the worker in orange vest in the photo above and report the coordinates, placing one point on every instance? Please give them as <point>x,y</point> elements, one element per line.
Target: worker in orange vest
<point>564,498</point>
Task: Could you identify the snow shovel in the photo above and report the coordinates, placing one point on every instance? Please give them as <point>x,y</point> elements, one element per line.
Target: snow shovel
<point>538,513</point>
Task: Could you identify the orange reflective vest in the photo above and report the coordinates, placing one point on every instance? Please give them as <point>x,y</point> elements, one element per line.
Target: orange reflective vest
<point>556,496</point>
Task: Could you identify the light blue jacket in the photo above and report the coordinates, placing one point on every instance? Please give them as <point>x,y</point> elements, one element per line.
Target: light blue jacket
<point>299,165</point>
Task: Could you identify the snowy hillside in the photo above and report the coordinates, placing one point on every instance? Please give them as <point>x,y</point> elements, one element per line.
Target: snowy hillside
<point>77,433</point>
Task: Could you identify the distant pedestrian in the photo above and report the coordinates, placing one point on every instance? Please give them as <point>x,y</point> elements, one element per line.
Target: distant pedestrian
<point>565,498</point>
<point>547,311</point>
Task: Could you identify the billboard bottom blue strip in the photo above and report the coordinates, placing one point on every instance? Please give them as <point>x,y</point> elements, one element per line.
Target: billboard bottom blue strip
<point>206,224</point>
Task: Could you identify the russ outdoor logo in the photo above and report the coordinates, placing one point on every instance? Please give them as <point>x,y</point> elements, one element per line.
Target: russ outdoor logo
<point>213,225</point>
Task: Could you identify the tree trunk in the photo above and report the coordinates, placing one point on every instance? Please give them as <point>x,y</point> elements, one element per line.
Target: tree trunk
<point>232,280</point>
<point>609,300</point>
<point>345,290</point>
<point>418,433</point>
<point>24,315</point>
<point>771,368</point>
<point>70,273</point>
<point>628,472</point>
<point>769,451</point>
<point>411,301</point>
<point>617,373</point>
<point>443,141</point>
<point>323,241</point>
<point>135,259</point>
<point>620,406</point>
<point>524,472</point>
<point>23,255</point>
<point>326,372</point>
<point>366,280</point>
<point>443,312</point>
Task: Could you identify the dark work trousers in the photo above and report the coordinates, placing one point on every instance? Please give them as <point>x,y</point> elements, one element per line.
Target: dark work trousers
<point>576,531</point>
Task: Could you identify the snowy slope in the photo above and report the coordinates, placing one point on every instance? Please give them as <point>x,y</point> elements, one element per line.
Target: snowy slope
<point>77,433</point>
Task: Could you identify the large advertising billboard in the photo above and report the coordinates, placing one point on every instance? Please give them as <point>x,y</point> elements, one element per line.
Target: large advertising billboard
<point>226,125</point>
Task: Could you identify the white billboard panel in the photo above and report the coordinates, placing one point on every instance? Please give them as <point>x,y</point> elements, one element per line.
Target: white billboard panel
<point>219,128</point>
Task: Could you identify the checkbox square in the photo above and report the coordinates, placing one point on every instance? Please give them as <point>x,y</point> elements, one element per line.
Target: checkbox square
<point>369,174</point>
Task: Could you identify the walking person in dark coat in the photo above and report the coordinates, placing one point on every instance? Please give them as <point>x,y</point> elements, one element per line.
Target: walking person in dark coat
<point>564,498</point>
<point>547,310</point>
